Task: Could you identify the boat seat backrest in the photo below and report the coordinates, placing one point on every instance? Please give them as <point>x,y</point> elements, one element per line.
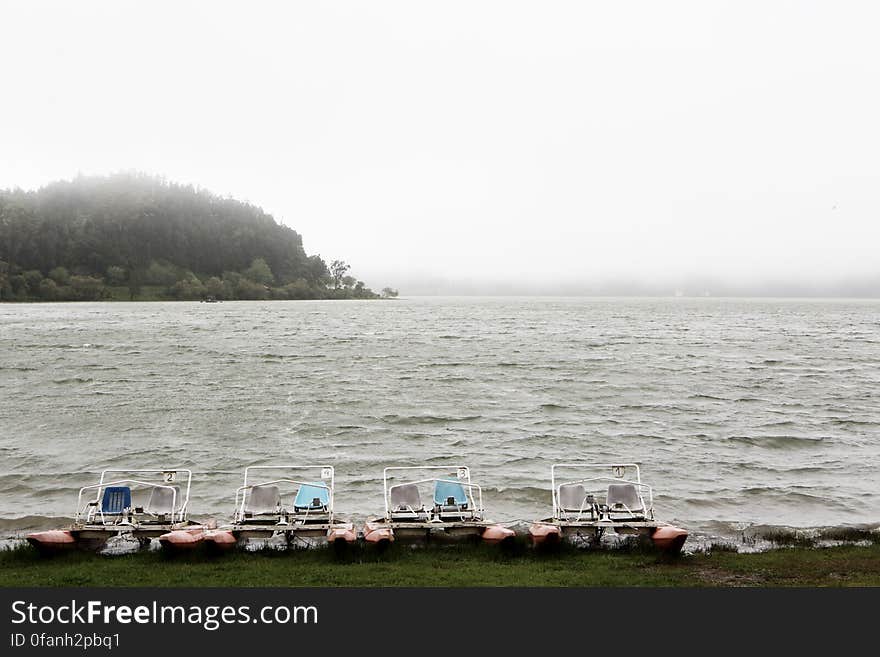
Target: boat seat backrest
<point>623,496</point>
<point>405,496</point>
<point>162,501</point>
<point>115,499</point>
<point>572,496</point>
<point>448,489</point>
<point>263,499</point>
<point>311,497</point>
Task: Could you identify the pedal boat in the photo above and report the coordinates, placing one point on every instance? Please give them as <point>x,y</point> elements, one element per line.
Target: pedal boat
<point>137,504</point>
<point>611,498</point>
<point>271,503</point>
<point>457,513</point>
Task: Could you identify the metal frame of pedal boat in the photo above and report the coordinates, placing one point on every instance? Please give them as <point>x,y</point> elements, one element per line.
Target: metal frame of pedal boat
<point>309,526</point>
<point>92,527</point>
<point>589,523</point>
<point>432,528</point>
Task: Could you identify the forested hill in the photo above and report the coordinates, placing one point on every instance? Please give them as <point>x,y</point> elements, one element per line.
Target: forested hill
<point>136,236</point>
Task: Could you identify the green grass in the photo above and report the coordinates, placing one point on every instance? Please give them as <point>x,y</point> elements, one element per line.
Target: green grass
<point>457,566</point>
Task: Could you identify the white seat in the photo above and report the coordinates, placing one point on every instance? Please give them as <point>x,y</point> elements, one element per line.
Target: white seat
<point>263,500</point>
<point>161,501</point>
<point>624,498</point>
<point>406,502</point>
<point>572,497</point>
<point>405,496</point>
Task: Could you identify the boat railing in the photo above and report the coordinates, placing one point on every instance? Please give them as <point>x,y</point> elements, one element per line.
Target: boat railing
<point>462,474</point>
<point>93,509</point>
<point>642,490</point>
<point>170,478</point>
<point>476,500</point>
<point>242,491</point>
<point>327,474</point>
<point>618,475</point>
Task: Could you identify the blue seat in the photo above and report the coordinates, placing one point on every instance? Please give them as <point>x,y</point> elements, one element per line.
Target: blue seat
<point>444,489</point>
<point>115,500</point>
<point>311,497</point>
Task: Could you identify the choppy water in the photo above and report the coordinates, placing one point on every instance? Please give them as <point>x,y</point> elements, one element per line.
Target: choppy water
<point>741,411</point>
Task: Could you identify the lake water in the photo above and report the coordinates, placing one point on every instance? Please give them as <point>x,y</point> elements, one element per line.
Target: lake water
<point>741,412</point>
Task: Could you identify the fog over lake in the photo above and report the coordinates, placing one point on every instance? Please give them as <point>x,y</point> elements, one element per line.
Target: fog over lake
<point>485,147</point>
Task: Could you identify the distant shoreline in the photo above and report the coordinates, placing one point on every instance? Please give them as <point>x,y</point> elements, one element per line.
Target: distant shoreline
<point>121,294</point>
<point>160,299</point>
<point>43,302</point>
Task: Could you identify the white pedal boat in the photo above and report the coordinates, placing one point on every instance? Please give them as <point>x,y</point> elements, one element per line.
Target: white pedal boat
<point>455,515</point>
<point>291,502</point>
<point>611,497</point>
<point>139,504</point>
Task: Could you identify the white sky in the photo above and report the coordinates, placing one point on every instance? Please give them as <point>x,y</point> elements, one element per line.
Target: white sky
<point>494,141</point>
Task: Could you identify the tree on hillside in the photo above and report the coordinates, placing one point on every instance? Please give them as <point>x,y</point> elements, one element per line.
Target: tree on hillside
<point>214,287</point>
<point>260,272</point>
<point>135,281</point>
<point>60,275</point>
<point>115,275</point>
<point>5,288</point>
<point>161,273</point>
<point>48,289</point>
<point>86,288</point>
<point>338,269</point>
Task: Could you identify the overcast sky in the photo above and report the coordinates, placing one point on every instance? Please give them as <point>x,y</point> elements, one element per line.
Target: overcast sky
<point>479,141</point>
